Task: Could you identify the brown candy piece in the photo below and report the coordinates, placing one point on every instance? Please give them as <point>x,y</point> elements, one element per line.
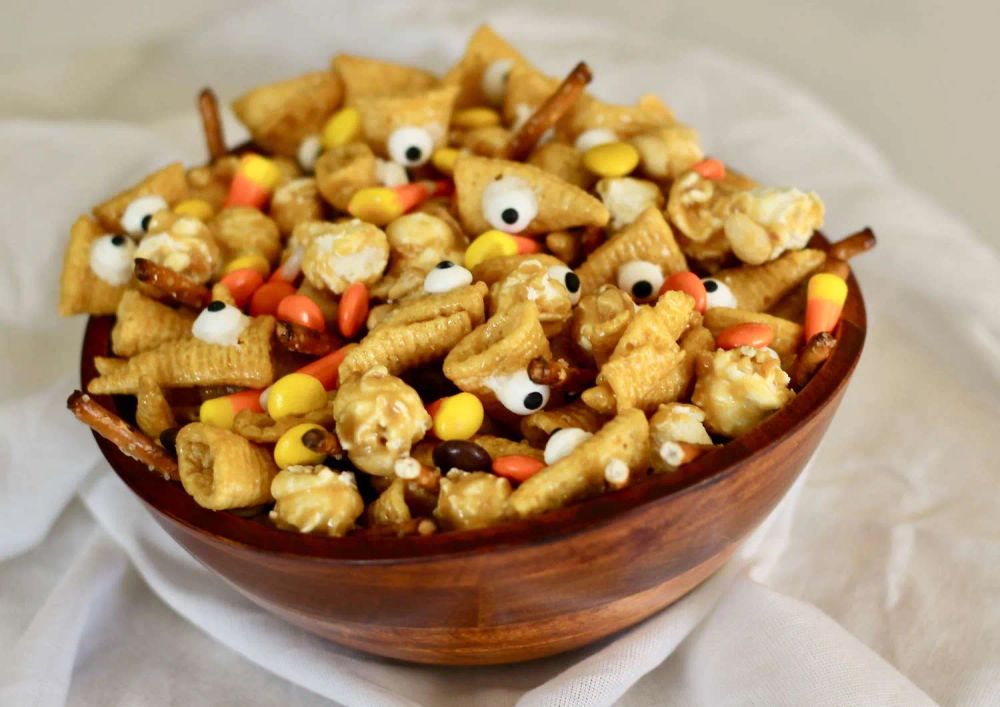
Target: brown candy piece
<point>461,454</point>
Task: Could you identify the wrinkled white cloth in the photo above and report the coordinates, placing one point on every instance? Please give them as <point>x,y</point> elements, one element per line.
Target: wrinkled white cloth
<point>875,582</point>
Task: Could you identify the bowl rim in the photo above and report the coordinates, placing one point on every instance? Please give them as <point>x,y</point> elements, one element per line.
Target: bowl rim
<point>170,500</point>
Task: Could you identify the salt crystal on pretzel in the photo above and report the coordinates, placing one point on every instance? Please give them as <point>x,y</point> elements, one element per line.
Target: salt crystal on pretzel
<point>170,285</point>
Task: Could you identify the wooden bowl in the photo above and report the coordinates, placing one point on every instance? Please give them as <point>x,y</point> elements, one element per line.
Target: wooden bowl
<point>521,590</point>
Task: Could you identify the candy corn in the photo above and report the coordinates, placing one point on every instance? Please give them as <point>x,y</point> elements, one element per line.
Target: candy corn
<point>253,182</point>
<point>491,244</point>
<point>343,127</point>
<point>710,168</point>
<point>380,205</point>
<point>220,412</point>
<point>526,245</point>
<point>825,298</point>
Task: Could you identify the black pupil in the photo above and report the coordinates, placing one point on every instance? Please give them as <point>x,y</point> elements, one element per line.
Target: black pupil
<point>642,289</point>
<point>145,221</point>
<point>118,240</point>
<point>444,265</point>
<point>509,216</point>
<point>572,281</point>
<point>533,401</point>
<point>216,306</point>
<point>711,285</point>
<point>413,153</point>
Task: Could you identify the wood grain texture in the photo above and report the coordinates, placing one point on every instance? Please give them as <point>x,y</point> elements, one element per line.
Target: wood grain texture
<point>524,589</point>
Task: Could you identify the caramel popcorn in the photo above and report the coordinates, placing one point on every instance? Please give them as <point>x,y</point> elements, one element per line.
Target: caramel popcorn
<point>243,230</point>
<point>698,207</point>
<point>626,198</point>
<point>188,247</point>
<point>315,499</point>
<point>765,222</point>
<point>295,202</point>
<point>345,253</point>
<point>471,500</point>
<point>667,152</point>
<point>530,281</point>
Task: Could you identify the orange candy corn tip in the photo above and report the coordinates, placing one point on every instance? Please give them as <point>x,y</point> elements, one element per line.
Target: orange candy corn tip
<point>253,182</point>
<point>526,245</point>
<point>825,297</point>
<point>220,412</point>
<point>380,205</point>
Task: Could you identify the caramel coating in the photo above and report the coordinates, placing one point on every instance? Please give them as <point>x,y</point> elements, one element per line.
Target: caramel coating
<point>244,230</point>
<point>187,247</point>
<point>471,500</point>
<point>530,281</point>
<point>340,254</point>
<point>296,202</point>
<point>599,321</point>
<point>672,423</point>
<point>766,222</point>
<point>315,499</point>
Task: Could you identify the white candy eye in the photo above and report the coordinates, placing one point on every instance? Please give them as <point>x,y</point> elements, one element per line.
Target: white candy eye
<point>410,146</point>
<point>563,442</point>
<point>519,394</point>
<point>446,276</point>
<point>594,137</point>
<point>309,151</point>
<point>111,258</point>
<point>509,204</point>
<point>220,323</point>
<point>494,81</point>
<point>390,174</point>
<point>719,294</point>
<point>568,279</point>
<point>641,278</point>
<point>139,212</point>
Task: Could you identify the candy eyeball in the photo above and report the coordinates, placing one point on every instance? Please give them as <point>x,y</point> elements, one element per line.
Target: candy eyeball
<point>568,279</point>
<point>494,81</point>
<point>111,259</point>
<point>509,204</point>
<point>641,278</point>
<point>563,442</point>
<point>519,394</point>
<point>719,294</point>
<point>445,277</point>
<point>309,151</point>
<point>410,146</point>
<point>593,138</point>
<point>138,214</point>
<point>220,323</point>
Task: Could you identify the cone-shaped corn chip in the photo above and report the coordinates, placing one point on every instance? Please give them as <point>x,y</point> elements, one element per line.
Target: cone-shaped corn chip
<point>677,383</point>
<point>468,299</point>
<point>628,198</point>
<point>648,113</point>
<point>153,414</point>
<point>281,115</point>
<point>222,470</point>
<point>698,207</point>
<point>170,183</point>
<point>599,321</point>
<point>538,426</point>
<point>484,47</point>
<point>648,238</point>
<point>244,230</point>
<point>382,115</point>
<point>563,161</point>
<point>371,77</point>
<point>471,500</point>
<point>582,472</point>
<point>765,222</point>
<point>316,499</point>
<point>343,170</point>
<point>559,204</point>
<point>493,270</point>
<point>191,362</point>
<point>787,334</point>
<point>503,447</point>
<point>402,347</point>
<point>757,287</point>
<point>504,345</point>
<point>81,291</point>
<point>142,324</point>
<point>665,153</point>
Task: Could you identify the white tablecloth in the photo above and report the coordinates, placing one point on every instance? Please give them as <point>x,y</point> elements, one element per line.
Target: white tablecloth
<point>875,582</point>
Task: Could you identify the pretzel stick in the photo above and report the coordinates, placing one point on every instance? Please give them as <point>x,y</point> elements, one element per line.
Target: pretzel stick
<point>557,373</point>
<point>322,441</point>
<point>846,248</point>
<point>208,108</point>
<point>814,355</point>
<point>836,266</point>
<point>549,113</point>
<point>171,284</point>
<point>127,438</point>
<point>300,339</point>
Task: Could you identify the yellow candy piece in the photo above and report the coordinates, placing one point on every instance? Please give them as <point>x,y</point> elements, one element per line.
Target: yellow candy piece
<point>827,286</point>
<point>260,170</point>
<point>458,417</point>
<point>491,244</point>
<point>289,450</point>
<point>254,262</point>
<point>196,208</point>
<point>217,412</point>
<point>443,160</point>
<point>475,118</point>
<point>295,394</point>
<point>612,159</point>
<point>343,127</point>
<point>377,205</point>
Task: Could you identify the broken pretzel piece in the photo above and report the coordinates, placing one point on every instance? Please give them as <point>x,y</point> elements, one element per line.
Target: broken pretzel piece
<point>816,352</point>
<point>300,339</point>
<point>171,285</point>
<point>211,123</point>
<point>549,113</point>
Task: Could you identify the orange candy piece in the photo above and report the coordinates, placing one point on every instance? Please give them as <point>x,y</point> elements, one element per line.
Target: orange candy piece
<point>380,205</point>
<point>688,283</point>
<point>752,334</point>
<point>327,369</point>
<point>242,284</point>
<point>825,297</point>
<point>299,309</point>
<point>268,296</point>
<point>353,309</point>
<point>526,245</point>
<point>711,168</point>
<point>517,467</point>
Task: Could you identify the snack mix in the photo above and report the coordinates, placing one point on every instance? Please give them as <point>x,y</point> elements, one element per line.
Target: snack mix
<point>415,304</point>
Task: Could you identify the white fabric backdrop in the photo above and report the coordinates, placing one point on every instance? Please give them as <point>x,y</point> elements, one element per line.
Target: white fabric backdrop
<point>875,582</point>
